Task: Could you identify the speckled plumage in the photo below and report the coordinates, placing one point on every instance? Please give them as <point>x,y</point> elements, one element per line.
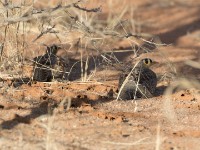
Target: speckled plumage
<point>139,82</point>
<point>42,75</point>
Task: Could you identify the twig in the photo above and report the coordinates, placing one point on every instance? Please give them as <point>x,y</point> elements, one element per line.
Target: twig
<point>98,9</point>
<point>34,13</point>
<point>48,30</point>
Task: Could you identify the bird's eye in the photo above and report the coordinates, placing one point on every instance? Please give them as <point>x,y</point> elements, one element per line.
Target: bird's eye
<point>147,61</point>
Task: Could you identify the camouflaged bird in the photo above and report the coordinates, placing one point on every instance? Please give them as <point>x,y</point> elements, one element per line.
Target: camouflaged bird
<point>44,64</point>
<point>59,71</point>
<point>138,82</point>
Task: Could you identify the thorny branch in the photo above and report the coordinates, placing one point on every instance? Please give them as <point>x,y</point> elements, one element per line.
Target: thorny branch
<point>39,13</point>
<point>98,9</point>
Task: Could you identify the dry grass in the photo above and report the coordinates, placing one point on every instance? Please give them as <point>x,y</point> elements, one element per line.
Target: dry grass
<point>25,26</point>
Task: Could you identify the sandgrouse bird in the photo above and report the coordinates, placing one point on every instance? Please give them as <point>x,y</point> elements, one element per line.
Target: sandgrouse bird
<point>45,63</point>
<point>138,82</point>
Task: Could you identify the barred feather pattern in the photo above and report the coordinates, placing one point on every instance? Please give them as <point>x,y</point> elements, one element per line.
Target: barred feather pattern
<point>141,83</point>
<point>42,75</point>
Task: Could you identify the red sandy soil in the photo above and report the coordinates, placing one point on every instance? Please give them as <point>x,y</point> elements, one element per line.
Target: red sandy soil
<point>37,116</point>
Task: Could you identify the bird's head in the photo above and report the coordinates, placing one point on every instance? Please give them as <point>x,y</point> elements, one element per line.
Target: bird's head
<point>53,49</point>
<point>147,62</point>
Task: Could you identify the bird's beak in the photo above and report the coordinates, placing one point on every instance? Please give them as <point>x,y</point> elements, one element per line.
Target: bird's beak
<point>154,62</point>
